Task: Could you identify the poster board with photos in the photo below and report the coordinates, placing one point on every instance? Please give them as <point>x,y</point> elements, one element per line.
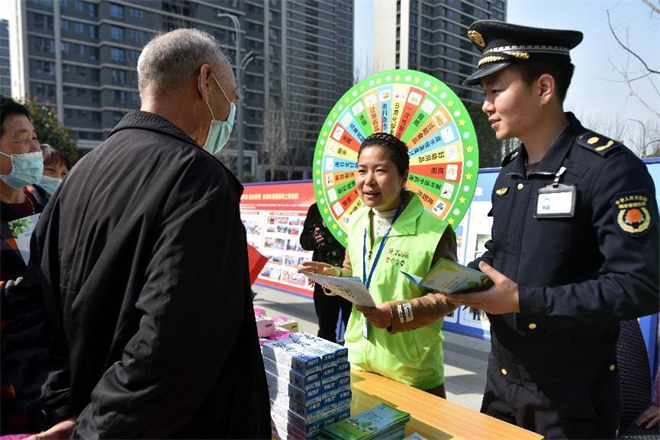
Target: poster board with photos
<point>273,215</point>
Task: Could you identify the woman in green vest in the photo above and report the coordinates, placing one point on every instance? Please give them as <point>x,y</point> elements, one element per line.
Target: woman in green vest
<point>400,338</point>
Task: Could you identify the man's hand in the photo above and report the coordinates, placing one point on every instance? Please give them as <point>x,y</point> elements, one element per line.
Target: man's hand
<point>379,316</point>
<point>319,268</point>
<point>318,236</point>
<point>499,299</point>
<point>650,417</point>
<point>62,430</point>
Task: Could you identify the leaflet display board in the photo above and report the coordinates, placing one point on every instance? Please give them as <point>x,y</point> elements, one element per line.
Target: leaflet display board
<point>273,215</point>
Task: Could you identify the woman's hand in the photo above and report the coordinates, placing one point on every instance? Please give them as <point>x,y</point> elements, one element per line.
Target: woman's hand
<point>316,267</point>
<point>380,316</point>
<point>650,417</point>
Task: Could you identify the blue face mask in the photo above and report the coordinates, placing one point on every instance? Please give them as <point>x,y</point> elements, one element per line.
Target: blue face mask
<point>26,169</point>
<point>219,131</point>
<point>50,184</point>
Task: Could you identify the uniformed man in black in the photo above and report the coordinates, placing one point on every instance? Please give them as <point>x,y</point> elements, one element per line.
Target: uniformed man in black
<point>574,245</point>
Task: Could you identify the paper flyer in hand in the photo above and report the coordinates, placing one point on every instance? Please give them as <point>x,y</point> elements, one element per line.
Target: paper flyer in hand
<point>447,276</point>
<point>350,288</point>
<point>22,229</point>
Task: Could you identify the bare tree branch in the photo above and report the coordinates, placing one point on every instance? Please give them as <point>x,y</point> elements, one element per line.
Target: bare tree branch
<point>626,48</point>
<point>642,101</point>
<point>630,75</point>
<point>653,7</point>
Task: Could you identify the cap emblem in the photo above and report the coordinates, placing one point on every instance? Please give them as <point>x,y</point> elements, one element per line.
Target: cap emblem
<point>477,38</point>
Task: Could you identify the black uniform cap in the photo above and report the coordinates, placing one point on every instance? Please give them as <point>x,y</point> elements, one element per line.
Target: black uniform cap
<point>503,43</point>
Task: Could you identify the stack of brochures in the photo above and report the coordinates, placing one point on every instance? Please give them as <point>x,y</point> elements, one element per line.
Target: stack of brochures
<point>381,422</point>
<point>308,383</point>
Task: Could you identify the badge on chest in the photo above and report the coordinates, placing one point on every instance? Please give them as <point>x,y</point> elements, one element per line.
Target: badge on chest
<point>556,201</point>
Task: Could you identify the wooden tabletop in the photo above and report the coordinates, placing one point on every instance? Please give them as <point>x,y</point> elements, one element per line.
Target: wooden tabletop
<point>431,416</point>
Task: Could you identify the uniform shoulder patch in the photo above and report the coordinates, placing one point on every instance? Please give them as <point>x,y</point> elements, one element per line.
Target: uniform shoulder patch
<point>631,212</point>
<point>509,157</point>
<point>598,143</point>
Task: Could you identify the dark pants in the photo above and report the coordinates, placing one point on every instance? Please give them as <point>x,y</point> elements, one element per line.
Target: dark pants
<point>570,410</point>
<point>327,310</point>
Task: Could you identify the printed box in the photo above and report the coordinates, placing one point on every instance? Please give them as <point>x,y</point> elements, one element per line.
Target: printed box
<point>265,326</point>
<point>344,383</point>
<point>286,323</point>
<point>286,352</point>
<point>341,352</point>
<point>283,386</point>
<point>284,416</point>
<point>297,379</point>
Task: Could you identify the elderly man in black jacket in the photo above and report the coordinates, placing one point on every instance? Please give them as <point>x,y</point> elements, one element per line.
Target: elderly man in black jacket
<point>144,266</point>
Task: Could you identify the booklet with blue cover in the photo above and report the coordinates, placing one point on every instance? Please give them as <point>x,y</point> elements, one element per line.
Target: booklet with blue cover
<point>448,276</point>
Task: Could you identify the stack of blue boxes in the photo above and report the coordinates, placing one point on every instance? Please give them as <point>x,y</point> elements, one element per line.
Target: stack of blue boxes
<point>309,384</point>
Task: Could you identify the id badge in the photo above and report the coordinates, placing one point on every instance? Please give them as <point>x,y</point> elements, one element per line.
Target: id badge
<point>556,201</point>
<point>365,329</point>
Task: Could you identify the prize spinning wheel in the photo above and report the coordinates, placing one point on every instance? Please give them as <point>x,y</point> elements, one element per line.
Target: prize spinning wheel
<point>421,111</point>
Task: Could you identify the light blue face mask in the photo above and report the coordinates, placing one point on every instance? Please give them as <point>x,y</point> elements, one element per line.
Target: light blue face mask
<point>219,131</point>
<point>26,169</point>
<point>50,184</point>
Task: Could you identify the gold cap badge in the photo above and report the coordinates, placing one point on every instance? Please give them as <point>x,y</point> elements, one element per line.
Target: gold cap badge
<point>477,38</point>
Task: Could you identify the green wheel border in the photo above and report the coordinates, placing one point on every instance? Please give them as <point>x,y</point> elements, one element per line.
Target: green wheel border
<point>446,97</point>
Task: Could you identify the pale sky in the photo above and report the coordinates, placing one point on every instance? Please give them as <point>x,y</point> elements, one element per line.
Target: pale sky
<point>596,91</point>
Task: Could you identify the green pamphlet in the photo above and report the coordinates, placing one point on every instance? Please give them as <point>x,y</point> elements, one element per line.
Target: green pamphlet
<point>447,276</point>
<point>380,422</point>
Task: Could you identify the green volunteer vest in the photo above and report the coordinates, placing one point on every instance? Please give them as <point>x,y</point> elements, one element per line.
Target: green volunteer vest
<point>413,357</point>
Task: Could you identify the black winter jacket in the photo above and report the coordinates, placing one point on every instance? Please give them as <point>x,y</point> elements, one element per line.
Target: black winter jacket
<point>145,280</point>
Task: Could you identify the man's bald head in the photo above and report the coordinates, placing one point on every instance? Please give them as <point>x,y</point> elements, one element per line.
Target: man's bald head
<point>169,60</point>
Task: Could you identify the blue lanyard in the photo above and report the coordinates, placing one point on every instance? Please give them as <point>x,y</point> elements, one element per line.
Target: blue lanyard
<point>365,280</point>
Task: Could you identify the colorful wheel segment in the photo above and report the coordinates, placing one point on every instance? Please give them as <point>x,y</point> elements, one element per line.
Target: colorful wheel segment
<point>421,111</point>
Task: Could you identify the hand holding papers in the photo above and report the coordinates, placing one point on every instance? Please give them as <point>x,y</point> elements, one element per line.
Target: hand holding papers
<point>319,268</point>
<point>350,288</point>
<point>447,276</point>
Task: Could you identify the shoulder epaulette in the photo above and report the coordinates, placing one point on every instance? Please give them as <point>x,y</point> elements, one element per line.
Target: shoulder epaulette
<point>509,157</point>
<point>598,143</point>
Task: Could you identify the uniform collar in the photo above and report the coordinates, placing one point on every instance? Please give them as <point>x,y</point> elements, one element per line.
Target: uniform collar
<point>153,122</point>
<point>556,154</point>
<point>406,224</point>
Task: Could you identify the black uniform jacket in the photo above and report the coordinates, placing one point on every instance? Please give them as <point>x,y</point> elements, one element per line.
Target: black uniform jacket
<point>577,276</point>
<point>144,273</point>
